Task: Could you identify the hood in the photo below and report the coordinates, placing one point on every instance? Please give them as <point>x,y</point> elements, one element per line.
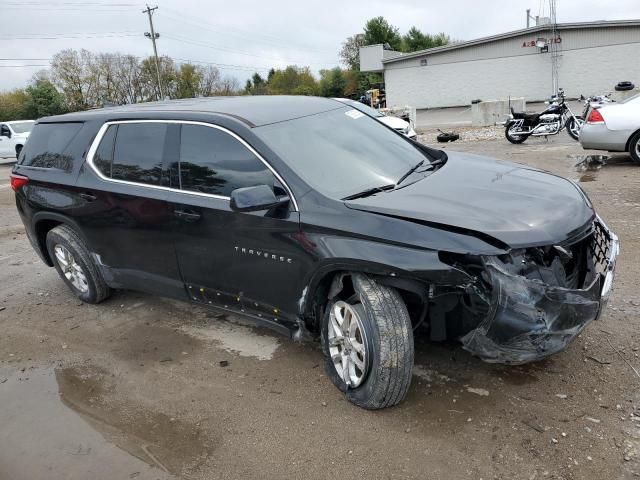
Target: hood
<point>515,204</point>
<point>393,122</point>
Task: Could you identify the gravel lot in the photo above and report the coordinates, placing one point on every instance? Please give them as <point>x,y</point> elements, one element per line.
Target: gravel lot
<point>143,387</point>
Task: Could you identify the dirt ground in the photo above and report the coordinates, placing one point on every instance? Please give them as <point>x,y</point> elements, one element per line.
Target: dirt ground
<point>147,388</point>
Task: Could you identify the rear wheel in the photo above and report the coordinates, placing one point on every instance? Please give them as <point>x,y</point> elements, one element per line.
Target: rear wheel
<point>634,147</point>
<point>512,135</point>
<point>75,266</point>
<point>574,124</point>
<point>367,340</point>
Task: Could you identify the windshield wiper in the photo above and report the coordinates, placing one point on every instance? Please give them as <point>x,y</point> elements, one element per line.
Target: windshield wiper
<point>430,166</point>
<point>411,170</point>
<point>370,191</point>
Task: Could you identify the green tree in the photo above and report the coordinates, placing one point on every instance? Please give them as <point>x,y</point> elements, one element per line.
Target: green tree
<point>293,80</point>
<point>188,80</point>
<point>332,83</point>
<point>350,51</point>
<point>378,30</point>
<point>43,99</point>
<point>415,40</point>
<point>12,105</point>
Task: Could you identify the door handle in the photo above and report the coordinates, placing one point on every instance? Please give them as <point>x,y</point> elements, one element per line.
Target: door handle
<point>187,215</point>
<point>87,196</point>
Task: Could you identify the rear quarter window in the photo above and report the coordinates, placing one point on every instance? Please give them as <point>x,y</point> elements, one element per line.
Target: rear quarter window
<point>47,146</point>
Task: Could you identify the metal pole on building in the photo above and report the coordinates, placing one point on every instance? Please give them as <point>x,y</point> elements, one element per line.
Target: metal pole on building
<point>153,36</point>
<point>528,16</point>
<point>554,47</point>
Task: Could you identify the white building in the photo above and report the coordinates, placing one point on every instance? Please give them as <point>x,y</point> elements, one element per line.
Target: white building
<point>592,57</point>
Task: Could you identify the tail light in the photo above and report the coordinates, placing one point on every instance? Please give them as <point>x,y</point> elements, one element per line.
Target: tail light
<point>18,181</point>
<point>595,116</point>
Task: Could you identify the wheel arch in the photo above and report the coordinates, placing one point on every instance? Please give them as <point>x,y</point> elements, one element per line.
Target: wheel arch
<point>42,223</point>
<point>331,280</point>
<point>627,147</point>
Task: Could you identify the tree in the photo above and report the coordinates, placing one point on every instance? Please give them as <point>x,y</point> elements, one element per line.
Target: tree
<point>378,30</point>
<point>43,100</point>
<point>332,83</point>
<point>415,40</point>
<point>209,80</point>
<point>188,80</point>
<point>12,105</point>
<point>350,51</point>
<point>293,80</point>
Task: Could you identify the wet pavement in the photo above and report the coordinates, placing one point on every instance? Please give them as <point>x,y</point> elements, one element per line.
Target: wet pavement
<point>144,387</point>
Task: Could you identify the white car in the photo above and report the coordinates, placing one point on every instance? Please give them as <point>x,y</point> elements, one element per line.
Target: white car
<point>614,127</point>
<point>13,135</point>
<point>394,122</point>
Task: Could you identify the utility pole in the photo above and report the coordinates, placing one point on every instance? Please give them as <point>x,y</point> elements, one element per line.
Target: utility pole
<point>153,35</point>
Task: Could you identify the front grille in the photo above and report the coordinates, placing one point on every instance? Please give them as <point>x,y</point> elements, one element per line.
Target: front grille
<point>600,246</point>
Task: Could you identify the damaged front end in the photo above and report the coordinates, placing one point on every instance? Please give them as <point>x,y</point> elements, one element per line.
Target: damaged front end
<point>535,301</point>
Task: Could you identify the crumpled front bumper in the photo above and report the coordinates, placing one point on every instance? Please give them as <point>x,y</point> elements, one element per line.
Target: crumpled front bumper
<point>529,320</point>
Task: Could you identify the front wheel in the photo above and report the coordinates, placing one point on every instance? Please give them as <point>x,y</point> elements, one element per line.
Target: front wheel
<point>574,124</point>
<point>18,150</point>
<point>367,341</point>
<point>512,136</point>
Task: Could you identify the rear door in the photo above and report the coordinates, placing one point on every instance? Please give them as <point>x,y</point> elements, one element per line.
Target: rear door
<point>243,261</point>
<point>123,209</point>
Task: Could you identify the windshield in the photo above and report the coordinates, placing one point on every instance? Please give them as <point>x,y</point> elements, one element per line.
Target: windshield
<point>341,152</point>
<point>22,127</point>
<point>362,107</point>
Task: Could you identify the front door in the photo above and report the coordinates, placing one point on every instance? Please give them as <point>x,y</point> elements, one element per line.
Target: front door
<point>239,261</point>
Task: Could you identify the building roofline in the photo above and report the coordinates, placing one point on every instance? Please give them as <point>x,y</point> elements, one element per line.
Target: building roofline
<point>514,33</point>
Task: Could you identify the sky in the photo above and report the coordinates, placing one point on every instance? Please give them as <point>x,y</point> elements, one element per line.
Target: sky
<point>244,36</point>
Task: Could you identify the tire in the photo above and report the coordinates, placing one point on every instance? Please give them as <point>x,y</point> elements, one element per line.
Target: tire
<point>92,288</point>
<point>18,150</point>
<point>634,147</point>
<point>388,342</point>
<point>515,139</point>
<point>571,127</point>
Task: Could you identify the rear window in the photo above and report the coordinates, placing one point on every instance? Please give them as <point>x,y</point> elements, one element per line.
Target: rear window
<point>47,146</point>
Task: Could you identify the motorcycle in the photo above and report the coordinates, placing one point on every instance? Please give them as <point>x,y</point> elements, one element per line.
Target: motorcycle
<point>551,121</point>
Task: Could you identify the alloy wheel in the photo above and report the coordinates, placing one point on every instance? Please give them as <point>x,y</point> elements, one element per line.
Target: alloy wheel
<point>71,269</point>
<point>347,343</point>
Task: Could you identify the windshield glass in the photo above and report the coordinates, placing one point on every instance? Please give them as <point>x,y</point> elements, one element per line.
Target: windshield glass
<point>362,107</point>
<point>22,127</point>
<point>341,152</point>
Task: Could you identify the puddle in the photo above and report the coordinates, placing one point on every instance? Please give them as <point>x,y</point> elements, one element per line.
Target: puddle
<point>68,423</point>
<point>236,338</point>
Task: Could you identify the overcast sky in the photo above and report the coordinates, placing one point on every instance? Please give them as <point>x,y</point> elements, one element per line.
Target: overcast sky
<point>243,36</point>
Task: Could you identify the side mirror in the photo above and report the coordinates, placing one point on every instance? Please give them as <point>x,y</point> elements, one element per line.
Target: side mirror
<point>251,199</point>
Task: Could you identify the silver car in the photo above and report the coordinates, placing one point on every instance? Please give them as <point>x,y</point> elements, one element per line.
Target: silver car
<point>614,127</point>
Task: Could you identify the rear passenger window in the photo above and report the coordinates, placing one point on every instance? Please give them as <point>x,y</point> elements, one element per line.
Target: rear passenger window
<point>47,146</point>
<point>137,155</point>
<point>214,162</point>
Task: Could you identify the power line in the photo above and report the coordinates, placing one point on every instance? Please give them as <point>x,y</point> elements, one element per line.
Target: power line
<point>19,66</point>
<point>238,52</point>
<point>58,37</point>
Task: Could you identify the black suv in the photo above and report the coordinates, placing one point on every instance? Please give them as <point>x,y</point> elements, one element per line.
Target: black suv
<point>319,221</point>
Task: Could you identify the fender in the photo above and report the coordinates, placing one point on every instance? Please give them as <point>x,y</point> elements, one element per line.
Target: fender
<point>411,269</point>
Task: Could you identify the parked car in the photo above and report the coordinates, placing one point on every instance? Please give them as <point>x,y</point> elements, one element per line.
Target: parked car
<point>13,135</point>
<point>398,124</point>
<point>272,207</point>
<point>614,127</point>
